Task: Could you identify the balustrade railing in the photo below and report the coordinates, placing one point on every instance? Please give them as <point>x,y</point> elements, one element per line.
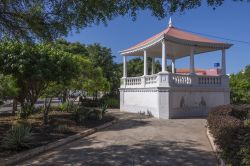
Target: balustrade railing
<point>151,79</point>
<point>179,79</point>
<point>133,81</point>
<point>172,80</point>
<point>209,80</point>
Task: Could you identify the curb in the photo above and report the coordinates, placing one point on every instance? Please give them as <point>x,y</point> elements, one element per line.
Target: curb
<point>215,148</point>
<point>36,151</point>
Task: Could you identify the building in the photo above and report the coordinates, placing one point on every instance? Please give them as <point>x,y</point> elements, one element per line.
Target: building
<point>208,72</point>
<point>170,94</point>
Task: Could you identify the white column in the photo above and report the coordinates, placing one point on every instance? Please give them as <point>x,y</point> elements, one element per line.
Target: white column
<point>163,56</point>
<point>192,69</point>
<point>173,65</point>
<point>145,63</point>
<point>153,65</point>
<point>124,66</point>
<point>223,62</point>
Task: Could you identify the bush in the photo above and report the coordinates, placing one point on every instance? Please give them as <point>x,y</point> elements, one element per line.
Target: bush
<point>81,114</point>
<point>17,137</point>
<point>226,123</point>
<point>112,102</point>
<point>98,114</point>
<point>67,106</point>
<point>25,112</point>
<point>62,128</point>
<point>91,103</point>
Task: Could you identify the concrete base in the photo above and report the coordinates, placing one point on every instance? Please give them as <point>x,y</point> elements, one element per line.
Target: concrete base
<point>173,102</point>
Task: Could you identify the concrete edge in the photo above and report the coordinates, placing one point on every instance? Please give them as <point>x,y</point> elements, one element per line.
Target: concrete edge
<point>215,147</point>
<point>38,150</point>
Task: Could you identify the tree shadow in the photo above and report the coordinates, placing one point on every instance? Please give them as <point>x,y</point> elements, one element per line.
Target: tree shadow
<point>150,152</point>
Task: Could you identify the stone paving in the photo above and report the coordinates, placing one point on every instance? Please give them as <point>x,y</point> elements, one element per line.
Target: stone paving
<point>137,141</point>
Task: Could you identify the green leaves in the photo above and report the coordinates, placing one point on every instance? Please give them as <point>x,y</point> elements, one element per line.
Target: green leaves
<point>8,87</point>
<point>49,19</point>
<point>240,86</point>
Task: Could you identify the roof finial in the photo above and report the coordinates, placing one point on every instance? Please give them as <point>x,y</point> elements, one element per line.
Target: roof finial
<point>170,24</point>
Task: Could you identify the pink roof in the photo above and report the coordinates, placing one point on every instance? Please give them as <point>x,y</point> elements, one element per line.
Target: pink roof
<point>176,33</point>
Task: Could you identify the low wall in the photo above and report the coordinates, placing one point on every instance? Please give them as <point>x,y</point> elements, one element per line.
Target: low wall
<point>173,102</point>
<point>140,100</point>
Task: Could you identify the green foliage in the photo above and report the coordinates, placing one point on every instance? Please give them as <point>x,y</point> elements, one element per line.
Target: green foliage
<point>8,87</point>
<point>62,128</point>
<point>226,123</point>
<point>49,19</point>
<point>25,111</point>
<point>81,114</point>
<point>91,103</point>
<point>112,102</point>
<point>35,66</point>
<point>135,67</point>
<point>240,87</point>
<point>17,137</point>
<point>69,106</point>
<point>104,74</point>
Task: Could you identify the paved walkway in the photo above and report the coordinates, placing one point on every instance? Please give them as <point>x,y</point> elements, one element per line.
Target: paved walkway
<point>137,141</point>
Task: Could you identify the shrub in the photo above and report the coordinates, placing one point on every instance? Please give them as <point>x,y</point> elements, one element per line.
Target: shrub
<point>91,103</point>
<point>62,128</point>
<point>81,114</point>
<point>226,123</point>
<point>112,102</point>
<point>25,112</point>
<point>17,137</point>
<point>68,106</point>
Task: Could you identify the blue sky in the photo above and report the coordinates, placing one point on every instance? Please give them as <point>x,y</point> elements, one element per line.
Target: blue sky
<point>232,20</point>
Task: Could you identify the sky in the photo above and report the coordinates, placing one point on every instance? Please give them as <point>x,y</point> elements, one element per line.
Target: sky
<point>231,20</point>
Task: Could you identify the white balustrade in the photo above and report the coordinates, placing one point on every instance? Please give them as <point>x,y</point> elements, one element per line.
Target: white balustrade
<point>133,81</point>
<point>209,80</point>
<point>172,80</point>
<point>151,79</point>
<point>179,79</point>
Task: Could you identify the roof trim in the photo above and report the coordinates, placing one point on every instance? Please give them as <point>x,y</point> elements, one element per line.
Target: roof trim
<point>165,36</point>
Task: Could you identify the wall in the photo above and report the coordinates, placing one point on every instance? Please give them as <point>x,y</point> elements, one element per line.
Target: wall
<point>193,102</point>
<point>140,100</point>
<point>173,102</point>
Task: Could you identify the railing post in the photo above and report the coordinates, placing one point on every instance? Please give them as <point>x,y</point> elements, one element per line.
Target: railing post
<point>143,81</point>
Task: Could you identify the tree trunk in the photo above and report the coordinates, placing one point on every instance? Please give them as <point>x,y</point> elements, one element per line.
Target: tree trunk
<point>64,97</point>
<point>14,106</point>
<point>46,111</point>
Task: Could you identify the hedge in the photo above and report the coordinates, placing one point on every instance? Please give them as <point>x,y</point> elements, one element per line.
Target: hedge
<point>232,136</point>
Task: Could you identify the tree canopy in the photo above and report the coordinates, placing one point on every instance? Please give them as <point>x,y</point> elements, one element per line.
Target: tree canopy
<point>100,56</point>
<point>240,86</point>
<point>36,67</point>
<point>50,19</point>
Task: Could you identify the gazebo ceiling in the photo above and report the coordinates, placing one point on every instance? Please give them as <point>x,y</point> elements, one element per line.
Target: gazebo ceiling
<point>178,44</point>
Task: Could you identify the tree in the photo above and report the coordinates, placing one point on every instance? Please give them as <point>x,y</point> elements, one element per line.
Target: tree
<point>136,65</point>
<point>96,83</point>
<point>8,87</point>
<point>50,19</point>
<point>34,67</point>
<point>240,87</point>
<point>101,57</point>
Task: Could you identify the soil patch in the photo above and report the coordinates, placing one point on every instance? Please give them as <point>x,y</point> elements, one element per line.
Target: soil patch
<point>43,135</point>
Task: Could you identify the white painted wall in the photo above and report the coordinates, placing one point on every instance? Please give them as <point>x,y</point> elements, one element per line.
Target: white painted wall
<point>173,102</point>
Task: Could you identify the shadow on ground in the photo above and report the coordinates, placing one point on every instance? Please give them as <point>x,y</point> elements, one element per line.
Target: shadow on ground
<point>143,153</point>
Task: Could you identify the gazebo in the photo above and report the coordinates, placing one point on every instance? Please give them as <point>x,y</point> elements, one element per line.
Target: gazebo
<point>167,94</point>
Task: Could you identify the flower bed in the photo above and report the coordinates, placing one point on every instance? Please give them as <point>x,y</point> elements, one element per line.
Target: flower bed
<point>230,127</point>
